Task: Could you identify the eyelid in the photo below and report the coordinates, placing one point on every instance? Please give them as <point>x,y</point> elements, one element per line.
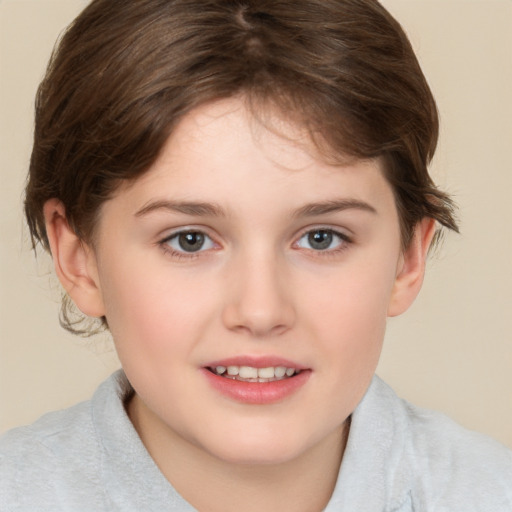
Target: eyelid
<point>345,238</point>
<point>163,242</point>
<point>341,232</point>
<point>207,242</point>
<point>193,228</point>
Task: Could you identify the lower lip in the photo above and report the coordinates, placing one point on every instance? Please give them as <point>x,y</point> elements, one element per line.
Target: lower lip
<point>257,392</point>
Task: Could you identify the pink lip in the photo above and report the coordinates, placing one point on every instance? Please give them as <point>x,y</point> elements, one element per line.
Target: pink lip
<point>256,392</point>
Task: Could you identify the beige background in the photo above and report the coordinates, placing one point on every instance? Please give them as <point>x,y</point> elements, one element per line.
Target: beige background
<point>452,351</point>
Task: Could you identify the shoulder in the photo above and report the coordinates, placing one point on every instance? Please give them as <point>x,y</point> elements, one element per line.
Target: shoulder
<point>48,434</point>
<point>39,463</point>
<point>50,464</point>
<point>451,468</point>
<point>463,466</point>
<point>88,457</point>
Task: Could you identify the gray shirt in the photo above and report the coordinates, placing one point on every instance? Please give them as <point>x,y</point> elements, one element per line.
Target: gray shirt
<point>399,458</point>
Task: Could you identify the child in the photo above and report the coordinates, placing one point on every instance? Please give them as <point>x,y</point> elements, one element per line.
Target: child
<point>238,191</point>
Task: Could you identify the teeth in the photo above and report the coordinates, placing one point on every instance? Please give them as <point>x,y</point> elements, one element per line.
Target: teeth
<point>247,372</point>
<point>266,373</point>
<point>233,370</point>
<point>252,374</point>
<point>279,371</point>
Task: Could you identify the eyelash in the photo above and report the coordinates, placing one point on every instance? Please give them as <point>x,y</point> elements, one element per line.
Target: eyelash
<point>184,255</point>
<point>344,241</point>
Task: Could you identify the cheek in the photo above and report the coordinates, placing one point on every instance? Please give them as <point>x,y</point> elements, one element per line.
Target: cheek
<point>349,311</point>
<point>152,311</point>
<point>352,296</point>
<point>348,325</point>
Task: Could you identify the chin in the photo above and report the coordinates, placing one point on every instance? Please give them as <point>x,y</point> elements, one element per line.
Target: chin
<point>255,447</point>
<point>258,457</point>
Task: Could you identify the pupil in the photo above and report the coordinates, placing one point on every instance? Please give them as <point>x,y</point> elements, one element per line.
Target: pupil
<point>320,239</point>
<point>191,242</point>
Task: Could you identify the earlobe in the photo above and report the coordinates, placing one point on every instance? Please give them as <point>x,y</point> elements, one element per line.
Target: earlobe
<point>411,268</point>
<point>74,261</point>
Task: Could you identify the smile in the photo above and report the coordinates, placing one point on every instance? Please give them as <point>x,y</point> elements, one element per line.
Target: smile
<point>256,380</point>
<point>252,374</point>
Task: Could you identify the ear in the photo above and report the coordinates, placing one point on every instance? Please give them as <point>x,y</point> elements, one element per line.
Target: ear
<point>74,261</point>
<point>411,268</point>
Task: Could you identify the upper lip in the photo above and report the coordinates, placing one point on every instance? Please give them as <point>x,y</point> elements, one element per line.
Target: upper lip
<point>256,362</point>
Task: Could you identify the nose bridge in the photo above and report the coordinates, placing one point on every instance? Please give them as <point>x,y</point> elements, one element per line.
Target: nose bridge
<point>260,299</point>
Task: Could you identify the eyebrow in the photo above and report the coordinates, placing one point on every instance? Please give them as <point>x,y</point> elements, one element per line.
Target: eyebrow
<point>337,205</point>
<point>203,209</point>
<point>188,208</point>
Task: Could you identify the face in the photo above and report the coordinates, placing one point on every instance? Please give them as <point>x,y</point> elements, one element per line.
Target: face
<point>246,284</point>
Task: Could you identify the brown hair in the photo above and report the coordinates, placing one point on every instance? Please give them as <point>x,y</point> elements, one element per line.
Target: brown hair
<point>125,73</point>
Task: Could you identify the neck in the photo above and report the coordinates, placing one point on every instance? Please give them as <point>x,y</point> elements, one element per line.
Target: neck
<point>210,484</point>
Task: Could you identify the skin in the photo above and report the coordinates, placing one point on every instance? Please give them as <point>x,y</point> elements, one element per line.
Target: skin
<point>258,287</point>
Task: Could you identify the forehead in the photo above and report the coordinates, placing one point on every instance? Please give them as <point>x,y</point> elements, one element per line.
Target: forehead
<point>222,152</point>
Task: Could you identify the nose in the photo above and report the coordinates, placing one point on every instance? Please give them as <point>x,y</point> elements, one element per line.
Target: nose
<point>259,299</point>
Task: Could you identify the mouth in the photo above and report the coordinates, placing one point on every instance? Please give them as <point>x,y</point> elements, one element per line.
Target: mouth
<point>253,374</point>
<point>256,380</point>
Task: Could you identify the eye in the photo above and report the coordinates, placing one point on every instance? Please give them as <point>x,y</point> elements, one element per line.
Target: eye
<point>322,240</point>
<point>189,241</point>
